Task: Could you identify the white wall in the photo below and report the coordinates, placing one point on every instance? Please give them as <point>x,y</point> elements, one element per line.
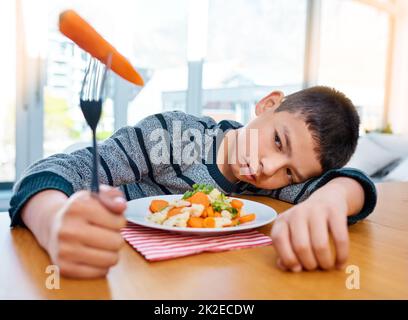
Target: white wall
<point>398,112</point>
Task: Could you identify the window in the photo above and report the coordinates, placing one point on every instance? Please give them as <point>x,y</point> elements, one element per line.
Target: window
<point>253,48</point>
<point>353,55</point>
<point>64,124</point>
<point>159,37</point>
<point>152,34</point>
<point>65,64</point>
<point>7,93</point>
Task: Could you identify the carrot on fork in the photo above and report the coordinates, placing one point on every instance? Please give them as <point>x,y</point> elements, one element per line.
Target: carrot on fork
<point>86,37</point>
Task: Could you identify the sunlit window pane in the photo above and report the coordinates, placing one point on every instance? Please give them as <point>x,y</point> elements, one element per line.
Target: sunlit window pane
<point>354,40</point>
<point>151,34</point>
<point>254,46</point>
<point>7,91</point>
<point>158,30</point>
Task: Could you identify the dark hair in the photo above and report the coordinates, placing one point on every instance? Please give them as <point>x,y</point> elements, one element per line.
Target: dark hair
<point>332,120</point>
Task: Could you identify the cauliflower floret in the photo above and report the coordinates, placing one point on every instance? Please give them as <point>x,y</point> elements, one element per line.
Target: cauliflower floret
<point>178,220</point>
<point>214,195</point>
<point>157,217</point>
<point>180,203</point>
<point>226,214</point>
<point>220,222</point>
<point>195,210</point>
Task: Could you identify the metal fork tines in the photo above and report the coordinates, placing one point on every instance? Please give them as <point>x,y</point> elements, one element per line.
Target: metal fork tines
<point>91,100</point>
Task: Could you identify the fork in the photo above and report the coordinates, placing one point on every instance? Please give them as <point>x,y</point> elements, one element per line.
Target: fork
<point>91,99</point>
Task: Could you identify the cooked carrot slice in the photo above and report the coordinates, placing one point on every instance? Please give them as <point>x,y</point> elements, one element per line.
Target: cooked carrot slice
<point>158,205</point>
<point>209,222</point>
<point>200,198</point>
<point>247,218</point>
<point>209,212</point>
<point>237,204</point>
<point>174,211</point>
<point>195,222</point>
<point>217,214</point>
<point>204,214</point>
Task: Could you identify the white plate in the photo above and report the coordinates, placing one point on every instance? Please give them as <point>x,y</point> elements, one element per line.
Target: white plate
<point>138,210</point>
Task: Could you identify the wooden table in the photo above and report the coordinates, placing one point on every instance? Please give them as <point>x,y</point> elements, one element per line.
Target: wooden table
<point>379,247</point>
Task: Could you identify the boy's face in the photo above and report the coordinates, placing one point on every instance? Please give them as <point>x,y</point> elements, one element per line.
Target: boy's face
<point>285,149</point>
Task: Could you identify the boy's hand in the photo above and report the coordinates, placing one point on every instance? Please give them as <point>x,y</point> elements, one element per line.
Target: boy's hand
<point>301,234</point>
<point>84,239</point>
<point>80,233</point>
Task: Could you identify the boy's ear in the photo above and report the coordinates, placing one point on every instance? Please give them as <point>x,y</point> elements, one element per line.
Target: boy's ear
<point>270,102</point>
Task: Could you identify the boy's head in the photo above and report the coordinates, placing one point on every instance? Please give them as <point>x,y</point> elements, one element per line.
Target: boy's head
<point>298,137</point>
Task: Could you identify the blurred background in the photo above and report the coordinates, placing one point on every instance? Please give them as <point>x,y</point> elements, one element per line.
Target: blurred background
<point>211,57</point>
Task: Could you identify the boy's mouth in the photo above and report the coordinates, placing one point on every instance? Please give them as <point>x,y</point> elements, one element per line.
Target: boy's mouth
<point>251,177</point>
<point>247,172</point>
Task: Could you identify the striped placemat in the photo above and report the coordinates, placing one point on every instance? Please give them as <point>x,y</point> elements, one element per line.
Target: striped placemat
<point>156,245</point>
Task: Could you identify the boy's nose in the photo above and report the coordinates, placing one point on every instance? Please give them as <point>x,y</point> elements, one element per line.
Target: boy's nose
<point>271,166</point>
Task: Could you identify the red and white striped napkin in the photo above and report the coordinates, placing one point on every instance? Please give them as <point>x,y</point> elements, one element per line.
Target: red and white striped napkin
<point>156,245</point>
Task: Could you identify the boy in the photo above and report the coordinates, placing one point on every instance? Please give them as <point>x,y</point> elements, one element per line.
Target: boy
<point>300,144</point>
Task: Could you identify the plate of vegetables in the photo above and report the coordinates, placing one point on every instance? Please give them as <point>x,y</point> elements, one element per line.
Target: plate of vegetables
<point>204,210</point>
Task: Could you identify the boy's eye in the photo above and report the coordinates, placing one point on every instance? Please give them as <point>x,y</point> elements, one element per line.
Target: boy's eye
<point>278,141</point>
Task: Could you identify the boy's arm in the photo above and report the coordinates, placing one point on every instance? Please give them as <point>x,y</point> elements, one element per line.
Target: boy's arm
<point>81,231</point>
<point>298,193</point>
<point>122,161</point>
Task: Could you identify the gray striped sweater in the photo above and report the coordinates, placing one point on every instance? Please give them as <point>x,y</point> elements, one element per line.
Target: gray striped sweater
<point>165,153</point>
